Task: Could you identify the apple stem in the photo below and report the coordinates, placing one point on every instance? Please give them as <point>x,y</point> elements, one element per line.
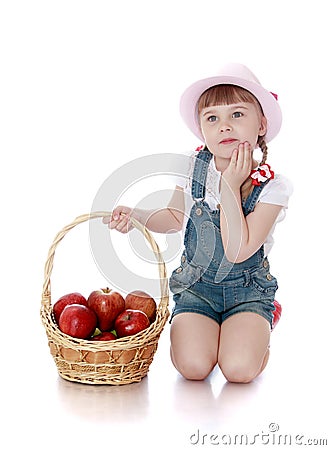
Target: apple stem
<point>106,290</point>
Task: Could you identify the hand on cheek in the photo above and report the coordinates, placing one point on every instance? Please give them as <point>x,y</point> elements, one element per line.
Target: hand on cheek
<point>244,157</point>
<point>240,165</point>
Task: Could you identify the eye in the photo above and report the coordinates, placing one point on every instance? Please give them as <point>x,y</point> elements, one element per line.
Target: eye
<point>237,114</point>
<point>212,119</point>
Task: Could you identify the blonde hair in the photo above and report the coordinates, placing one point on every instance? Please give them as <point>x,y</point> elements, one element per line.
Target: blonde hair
<point>227,94</point>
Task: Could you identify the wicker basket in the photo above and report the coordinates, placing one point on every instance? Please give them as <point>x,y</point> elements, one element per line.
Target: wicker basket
<point>118,362</point>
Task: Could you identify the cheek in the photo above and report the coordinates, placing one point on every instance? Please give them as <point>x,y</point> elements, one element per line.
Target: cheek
<point>252,135</point>
<point>205,133</point>
<point>209,139</point>
<point>257,128</point>
<point>209,130</point>
<point>259,125</point>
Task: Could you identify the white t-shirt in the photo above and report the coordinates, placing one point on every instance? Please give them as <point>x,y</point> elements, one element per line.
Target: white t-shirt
<point>276,192</point>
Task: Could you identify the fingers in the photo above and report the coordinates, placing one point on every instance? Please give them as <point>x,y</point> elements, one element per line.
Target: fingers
<point>121,223</point>
<point>119,220</point>
<point>234,157</point>
<point>244,158</point>
<point>106,220</point>
<point>240,165</point>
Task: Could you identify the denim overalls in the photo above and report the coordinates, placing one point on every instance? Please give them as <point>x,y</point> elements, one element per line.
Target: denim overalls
<point>206,282</point>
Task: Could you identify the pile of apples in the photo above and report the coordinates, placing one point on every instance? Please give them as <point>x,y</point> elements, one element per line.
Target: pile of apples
<point>105,315</point>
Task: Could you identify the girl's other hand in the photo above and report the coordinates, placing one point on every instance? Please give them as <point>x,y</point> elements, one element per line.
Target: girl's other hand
<point>119,219</point>
<point>240,165</point>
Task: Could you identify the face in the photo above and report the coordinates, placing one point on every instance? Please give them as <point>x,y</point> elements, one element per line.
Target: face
<point>224,127</point>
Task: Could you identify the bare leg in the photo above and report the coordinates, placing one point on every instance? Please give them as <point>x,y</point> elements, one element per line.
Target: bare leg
<point>244,347</point>
<point>194,345</point>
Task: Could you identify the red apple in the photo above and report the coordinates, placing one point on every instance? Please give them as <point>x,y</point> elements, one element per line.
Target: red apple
<point>104,336</point>
<point>143,302</point>
<point>107,305</point>
<point>130,322</point>
<point>75,298</point>
<point>78,321</point>
<point>276,313</point>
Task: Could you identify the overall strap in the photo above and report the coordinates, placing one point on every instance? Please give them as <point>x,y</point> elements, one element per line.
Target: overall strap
<point>200,172</point>
<point>248,205</point>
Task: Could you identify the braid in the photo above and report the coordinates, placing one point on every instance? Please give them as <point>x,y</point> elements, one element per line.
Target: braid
<point>247,187</point>
<point>263,146</point>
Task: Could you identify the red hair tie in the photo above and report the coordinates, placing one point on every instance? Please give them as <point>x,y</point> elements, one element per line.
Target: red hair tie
<point>262,174</point>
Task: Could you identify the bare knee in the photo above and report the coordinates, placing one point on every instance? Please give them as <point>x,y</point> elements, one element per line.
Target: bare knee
<point>194,356</point>
<point>193,368</point>
<point>237,372</point>
<point>243,371</point>
<point>243,351</point>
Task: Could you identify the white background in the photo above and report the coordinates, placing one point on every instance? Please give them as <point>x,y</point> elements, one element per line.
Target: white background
<point>87,86</point>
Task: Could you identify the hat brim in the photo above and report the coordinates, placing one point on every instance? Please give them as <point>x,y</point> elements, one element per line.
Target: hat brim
<point>269,104</point>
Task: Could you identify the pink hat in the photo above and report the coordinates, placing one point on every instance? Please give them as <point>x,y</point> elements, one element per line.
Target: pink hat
<point>238,75</point>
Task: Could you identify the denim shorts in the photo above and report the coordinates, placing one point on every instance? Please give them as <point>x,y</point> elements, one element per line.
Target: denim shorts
<point>253,291</point>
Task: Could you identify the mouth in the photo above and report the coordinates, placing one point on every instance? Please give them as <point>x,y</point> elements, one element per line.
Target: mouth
<point>228,141</point>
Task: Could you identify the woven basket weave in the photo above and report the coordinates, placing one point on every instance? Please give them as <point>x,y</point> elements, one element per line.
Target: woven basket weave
<point>117,362</point>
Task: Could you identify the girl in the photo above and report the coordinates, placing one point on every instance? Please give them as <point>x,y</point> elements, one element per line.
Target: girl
<point>223,290</point>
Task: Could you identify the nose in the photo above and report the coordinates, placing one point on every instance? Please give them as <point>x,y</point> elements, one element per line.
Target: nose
<point>224,126</point>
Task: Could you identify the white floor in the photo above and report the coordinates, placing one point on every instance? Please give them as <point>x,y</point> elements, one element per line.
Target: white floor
<point>289,401</point>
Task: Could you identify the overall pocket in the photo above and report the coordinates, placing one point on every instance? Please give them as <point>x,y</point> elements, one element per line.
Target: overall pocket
<point>264,283</point>
<point>185,276</point>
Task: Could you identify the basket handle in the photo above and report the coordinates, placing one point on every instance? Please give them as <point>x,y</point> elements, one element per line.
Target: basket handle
<point>46,294</point>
